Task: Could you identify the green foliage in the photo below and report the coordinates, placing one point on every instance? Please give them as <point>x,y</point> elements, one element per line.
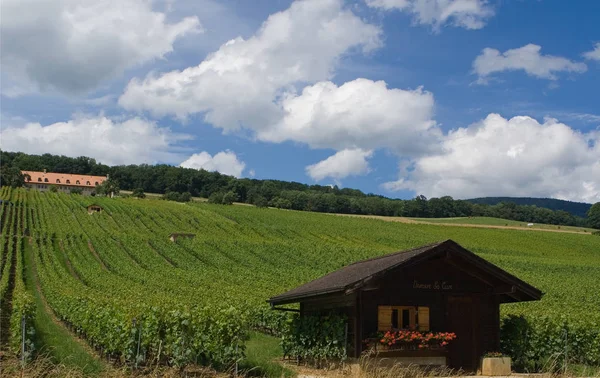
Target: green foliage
<point>53,189</point>
<point>229,198</point>
<point>594,216</point>
<point>177,197</point>
<point>292,195</point>
<point>76,191</point>
<point>216,198</point>
<point>109,188</point>
<point>533,342</point>
<point>11,176</point>
<point>195,299</point>
<point>315,338</point>
<point>138,193</point>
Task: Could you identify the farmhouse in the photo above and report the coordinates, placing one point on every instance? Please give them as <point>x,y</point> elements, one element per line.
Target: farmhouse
<point>440,287</point>
<point>63,182</point>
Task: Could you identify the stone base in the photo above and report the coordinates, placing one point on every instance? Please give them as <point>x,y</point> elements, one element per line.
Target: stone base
<point>495,366</point>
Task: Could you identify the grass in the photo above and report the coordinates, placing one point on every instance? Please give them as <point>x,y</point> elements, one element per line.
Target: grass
<point>262,351</point>
<point>53,339</point>
<point>489,221</point>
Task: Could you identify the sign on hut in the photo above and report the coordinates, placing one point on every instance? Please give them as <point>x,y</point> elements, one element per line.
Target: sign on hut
<point>94,209</point>
<point>176,235</point>
<point>441,289</point>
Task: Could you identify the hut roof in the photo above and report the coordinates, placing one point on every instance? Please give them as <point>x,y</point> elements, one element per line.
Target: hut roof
<point>359,273</point>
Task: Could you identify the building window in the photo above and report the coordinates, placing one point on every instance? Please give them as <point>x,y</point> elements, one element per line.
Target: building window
<point>39,179</point>
<point>77,182</point>
<point>46,180</point>
<point>58,181</point>
<point>402,317</point>
<point>96,183</point>
<point>68,181</point>
<point>87,183</point>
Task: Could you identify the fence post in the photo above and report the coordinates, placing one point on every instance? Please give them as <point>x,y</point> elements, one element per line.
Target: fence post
<point>236,358</point>
<point>23,340</point>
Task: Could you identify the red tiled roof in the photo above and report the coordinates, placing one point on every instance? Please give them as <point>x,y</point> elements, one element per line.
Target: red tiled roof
<point>64,179</point>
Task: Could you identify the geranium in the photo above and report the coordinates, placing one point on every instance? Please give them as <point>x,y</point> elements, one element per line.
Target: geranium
<point>423,340</point>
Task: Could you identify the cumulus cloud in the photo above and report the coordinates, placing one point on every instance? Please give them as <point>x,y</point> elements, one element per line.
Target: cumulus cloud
<point>238,85</point>
<point>360,113</point>
<point>73,45</point>
<point>468,14</point>
<point>594,54</point>
<point>527,58</point>
<point>225,162</point>
<point>132,141</point>
<point>516,157</point>
<point>348,162</point>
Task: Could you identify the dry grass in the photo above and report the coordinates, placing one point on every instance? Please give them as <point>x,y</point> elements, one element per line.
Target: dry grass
<point>44,367</point>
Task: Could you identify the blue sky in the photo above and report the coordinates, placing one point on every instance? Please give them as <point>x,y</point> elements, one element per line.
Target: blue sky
<point>398,97</point>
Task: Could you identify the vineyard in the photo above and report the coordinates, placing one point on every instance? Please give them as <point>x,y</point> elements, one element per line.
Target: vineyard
<point>116,280</point>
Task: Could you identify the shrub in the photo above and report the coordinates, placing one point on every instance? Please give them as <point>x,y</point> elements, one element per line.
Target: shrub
<point>138,193</point>
<point>315,338</point>
<point>78,191</point>
<point>229,198</point>
<point>216,197</point>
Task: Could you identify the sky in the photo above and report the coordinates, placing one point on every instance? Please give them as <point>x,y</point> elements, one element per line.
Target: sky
<point>466,98</point>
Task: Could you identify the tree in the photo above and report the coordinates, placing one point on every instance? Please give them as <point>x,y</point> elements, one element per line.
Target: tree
<point>138,193</point>
<point>594,216</point>
<point>109,188</point>
<point>11,176</point>
<point>216,197</point>
<point>229,198</point>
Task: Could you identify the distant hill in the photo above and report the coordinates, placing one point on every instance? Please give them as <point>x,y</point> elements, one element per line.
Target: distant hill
<point>578,209</point>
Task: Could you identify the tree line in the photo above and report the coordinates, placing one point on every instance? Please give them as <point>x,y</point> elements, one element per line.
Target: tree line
<point>180,184</point>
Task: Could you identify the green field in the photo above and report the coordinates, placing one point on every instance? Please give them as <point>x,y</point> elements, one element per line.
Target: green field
<point>489,221</point>
<point>122,286</point>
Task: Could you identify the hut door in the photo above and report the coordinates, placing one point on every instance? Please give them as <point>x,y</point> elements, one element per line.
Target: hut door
<point>462,320</point>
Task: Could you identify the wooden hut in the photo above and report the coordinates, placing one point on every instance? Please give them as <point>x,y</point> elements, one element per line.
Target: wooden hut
<point>176,235</point>
<point>94,209</point>
<point>440,287</point>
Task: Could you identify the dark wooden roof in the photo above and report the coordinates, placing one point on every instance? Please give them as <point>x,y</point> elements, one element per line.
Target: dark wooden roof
<point>359,273</point>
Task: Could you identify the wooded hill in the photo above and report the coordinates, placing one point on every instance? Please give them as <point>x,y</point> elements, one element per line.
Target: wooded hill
<point>173,181</point>
<point>578,209</point>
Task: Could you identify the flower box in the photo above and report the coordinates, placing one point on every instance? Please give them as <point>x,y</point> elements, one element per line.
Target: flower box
<point>495,366</point>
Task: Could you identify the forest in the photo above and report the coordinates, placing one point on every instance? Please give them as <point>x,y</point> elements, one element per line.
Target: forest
<point>177,183</point>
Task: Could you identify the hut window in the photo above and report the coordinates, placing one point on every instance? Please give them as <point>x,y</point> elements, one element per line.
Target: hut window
<point>39,179</point>
<point>68,181</point>
<point>77,182</point>
<point>87,183</point>
<point>402,317</point>
<point>58,181</point>
<point>96,183</point>
<point>45,180</point>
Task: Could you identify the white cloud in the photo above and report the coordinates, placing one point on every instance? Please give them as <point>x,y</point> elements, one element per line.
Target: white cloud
<point>468,14</point>
<point>340,165</point>
<point>526,58</point>
<point>515,157</point>
<point>73,45</point>
<point>238,85</point>
<point>132,141</point>
<point>358,114</point>
<point>225,162</point>
<point>594,54</point>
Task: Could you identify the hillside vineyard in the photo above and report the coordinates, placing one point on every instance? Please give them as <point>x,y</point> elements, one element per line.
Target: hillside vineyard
<point>116,279</point>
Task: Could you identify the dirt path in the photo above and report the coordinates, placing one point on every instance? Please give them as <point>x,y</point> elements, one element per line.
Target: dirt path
<point>91,247</point>
<point>48,310</point>
<point>412,221</point>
